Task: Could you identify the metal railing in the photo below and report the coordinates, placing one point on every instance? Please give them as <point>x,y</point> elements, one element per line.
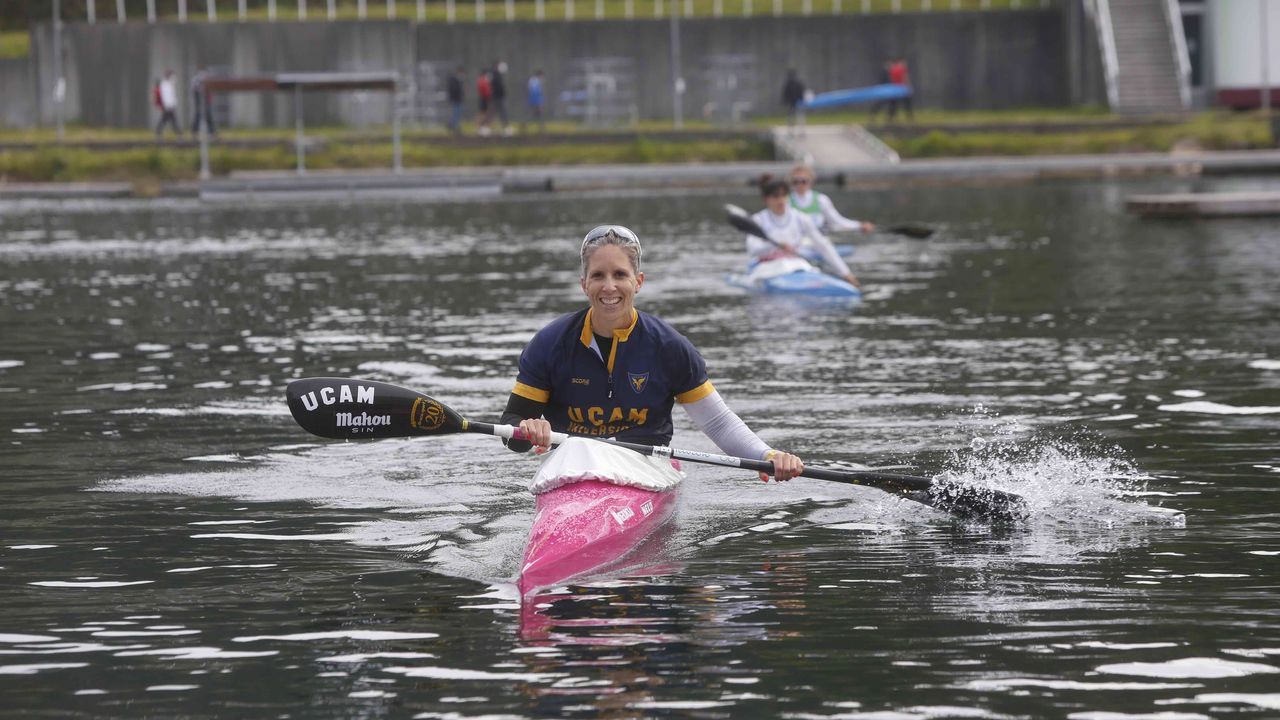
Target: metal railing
<point>1107,39</point>
<point>1173,15</point>
<point>481,10</point>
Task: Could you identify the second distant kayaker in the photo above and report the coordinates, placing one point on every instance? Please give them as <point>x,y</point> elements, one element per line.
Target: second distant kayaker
<point>611,371</point>
<point>818,206</point>
<point>794,233</point>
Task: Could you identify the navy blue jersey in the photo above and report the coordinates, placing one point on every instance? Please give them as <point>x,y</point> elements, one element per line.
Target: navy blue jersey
<point>627,395</point>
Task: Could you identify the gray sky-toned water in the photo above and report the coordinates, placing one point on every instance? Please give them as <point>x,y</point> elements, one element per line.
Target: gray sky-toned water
<point>174,545</point>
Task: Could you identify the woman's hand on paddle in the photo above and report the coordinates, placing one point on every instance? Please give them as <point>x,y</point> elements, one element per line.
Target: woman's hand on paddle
<point>538,432</point>
<point>785,467</point>
<point>868,227</point>
<point>852,281</point>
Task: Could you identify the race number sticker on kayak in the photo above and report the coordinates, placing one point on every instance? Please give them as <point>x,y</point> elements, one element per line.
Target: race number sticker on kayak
<point>623,515</point>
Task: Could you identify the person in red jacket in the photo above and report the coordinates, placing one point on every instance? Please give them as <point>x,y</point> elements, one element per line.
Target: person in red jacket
<point>898,75</point>
<point>484,91</point>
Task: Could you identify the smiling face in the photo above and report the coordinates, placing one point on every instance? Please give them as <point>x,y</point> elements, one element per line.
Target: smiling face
<point>610,283</point>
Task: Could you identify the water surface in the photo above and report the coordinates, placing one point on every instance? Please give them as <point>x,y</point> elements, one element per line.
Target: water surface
<point>174,545</point>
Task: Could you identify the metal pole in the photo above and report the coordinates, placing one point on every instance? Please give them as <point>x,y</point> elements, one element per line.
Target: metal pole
<point>395,129</point>
<point>151,11</point>
<point>204,134</point>
<point>1266,64</point>
<point>677,82</point>
<point>91,12</point>
<point>297,119</point>
<point>120,11</point>
<point>59,84</point>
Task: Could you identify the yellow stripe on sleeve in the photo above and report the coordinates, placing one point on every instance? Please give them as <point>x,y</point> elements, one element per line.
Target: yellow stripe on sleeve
<point>695,394</point>
<point>532,393</point>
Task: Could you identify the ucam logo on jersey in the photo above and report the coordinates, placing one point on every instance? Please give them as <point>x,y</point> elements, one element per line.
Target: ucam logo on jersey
<point>333,396</point>
<point>638,381</point>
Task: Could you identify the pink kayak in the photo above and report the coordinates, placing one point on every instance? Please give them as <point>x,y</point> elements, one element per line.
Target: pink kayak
<point>587,525</point>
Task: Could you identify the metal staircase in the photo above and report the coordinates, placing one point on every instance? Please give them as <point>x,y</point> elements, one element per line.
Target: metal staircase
<point>1144,55</point>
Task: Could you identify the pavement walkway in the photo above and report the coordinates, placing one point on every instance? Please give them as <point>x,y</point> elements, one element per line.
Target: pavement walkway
<point>451,183</point>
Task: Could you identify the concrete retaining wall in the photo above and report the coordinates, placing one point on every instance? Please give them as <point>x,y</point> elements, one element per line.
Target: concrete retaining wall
<point>958,61</point>
<point>17,93</point>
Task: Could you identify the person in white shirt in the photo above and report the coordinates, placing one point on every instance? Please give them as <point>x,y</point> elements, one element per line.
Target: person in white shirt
<point>818,206</point>
<point>794,233</point>
<point>167,92</point>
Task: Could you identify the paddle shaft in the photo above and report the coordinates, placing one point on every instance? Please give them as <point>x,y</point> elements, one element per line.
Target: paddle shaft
<point>892,481</point>
<point>355,409</point>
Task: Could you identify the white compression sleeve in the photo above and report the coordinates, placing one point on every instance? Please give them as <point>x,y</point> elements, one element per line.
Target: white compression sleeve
<point>725,428</point>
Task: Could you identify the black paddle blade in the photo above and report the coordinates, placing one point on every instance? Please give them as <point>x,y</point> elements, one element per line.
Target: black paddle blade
<point>350,408</point>
<point>911,230</point>
<point>741,220</point>
<point>985,504</point>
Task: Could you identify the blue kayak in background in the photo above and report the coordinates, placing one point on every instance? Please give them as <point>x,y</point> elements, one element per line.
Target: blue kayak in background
<point>854,96</point>
<point>795,277</point>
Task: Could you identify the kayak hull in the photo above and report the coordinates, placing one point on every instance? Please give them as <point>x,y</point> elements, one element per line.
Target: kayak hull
<point>854,96</point>
<point>803,283</point>
<point>589,525</point>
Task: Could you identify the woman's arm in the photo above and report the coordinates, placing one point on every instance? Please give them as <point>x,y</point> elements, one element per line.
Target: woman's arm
<point>828,251</point>
<point>714,418</point>
<point>732,436</point>
<point>836,221</point>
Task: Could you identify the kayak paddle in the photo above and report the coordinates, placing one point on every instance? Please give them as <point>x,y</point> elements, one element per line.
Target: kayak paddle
<point>741,220</point>
<point>918,231</point>
<point>355,409</point>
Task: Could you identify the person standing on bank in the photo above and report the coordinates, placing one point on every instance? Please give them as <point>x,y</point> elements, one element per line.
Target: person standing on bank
<point>167,91</point>
<point>498,86</point>
<point>456,94</point>
<point>793,233</point>
<point>202,102</point>
<point>899,75</point>
<point>484,91</point>
<point>611,371</point>
<point>819,207</point>
<point>793,97</point>
<point>536,100</point>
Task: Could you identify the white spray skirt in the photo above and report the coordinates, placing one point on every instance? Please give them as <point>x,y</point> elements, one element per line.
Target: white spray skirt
<point>579,459</point>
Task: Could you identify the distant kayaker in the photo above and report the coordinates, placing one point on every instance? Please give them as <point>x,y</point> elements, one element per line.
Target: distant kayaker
<point>611,371</point>
<point>793,232</point>
<point>818,206</point>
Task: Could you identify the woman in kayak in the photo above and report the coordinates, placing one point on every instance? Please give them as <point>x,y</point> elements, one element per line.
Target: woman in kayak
<point>818,206</point>
<point>611,371</point>
<point>793,233</point>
